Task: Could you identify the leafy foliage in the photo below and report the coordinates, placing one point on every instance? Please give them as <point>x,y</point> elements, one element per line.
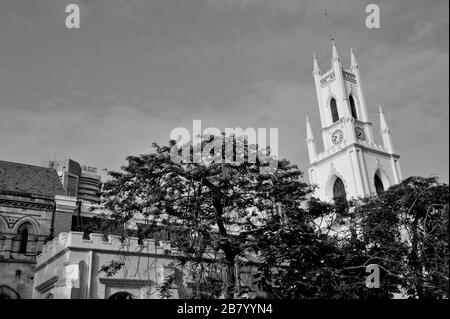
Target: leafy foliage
<point>403,230</point>
<point>227,215</point>
<point>214,208</point>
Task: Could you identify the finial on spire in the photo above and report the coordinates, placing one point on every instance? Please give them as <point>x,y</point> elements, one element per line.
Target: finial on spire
<point>383,124</point>
<point>316,69</point>
<point>310,142</point>
<point>354,63</point>
<point>335,52</point>
<point>385,133</point>
<point>309,133</point>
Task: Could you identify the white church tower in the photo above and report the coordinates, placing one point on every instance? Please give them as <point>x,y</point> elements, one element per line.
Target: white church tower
<point>351,164</point>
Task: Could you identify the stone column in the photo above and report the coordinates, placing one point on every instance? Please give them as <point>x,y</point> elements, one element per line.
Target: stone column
<point>66,207</point>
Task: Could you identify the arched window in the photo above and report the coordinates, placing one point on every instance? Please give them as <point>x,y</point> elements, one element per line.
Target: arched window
<point>339,196</point>
<point>379,188</point>
<point>23,241</point>
<point>121,295</point>
<point>353,107</point>
<point>334,110</point>
<point>8,293</point>
<point>339,189</point>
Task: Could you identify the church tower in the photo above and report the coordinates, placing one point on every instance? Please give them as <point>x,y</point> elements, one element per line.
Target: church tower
<point>351,164</point>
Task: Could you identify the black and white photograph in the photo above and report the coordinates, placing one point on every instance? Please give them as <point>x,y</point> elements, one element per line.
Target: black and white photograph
<point>245,151</point>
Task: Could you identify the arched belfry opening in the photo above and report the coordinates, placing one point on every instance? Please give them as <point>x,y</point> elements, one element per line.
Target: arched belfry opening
<point>379,187</point>
<point>353,107</point>
<point>334,110</point>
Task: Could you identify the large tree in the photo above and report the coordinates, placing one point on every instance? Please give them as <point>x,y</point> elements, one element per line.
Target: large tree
<point>212,206</point>
<point>406,229</point>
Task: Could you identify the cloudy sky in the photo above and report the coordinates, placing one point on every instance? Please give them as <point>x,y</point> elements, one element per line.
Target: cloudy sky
<point>137,69</point>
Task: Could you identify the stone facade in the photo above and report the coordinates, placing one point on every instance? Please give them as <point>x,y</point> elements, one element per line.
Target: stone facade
<point>78,180</point>
<point>27,211</point>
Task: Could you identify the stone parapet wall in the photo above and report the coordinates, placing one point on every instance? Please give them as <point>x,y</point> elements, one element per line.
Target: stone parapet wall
<point>98,242</point>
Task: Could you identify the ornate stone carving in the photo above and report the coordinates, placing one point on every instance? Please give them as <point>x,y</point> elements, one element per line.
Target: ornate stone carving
<point>328,79</point>
<point>349,77</point>
<point>26,205</point>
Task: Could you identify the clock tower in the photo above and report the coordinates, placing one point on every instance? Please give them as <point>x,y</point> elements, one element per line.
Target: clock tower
<point>351,164</point>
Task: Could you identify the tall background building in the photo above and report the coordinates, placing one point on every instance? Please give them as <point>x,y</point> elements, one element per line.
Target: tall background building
<point>80,181</point>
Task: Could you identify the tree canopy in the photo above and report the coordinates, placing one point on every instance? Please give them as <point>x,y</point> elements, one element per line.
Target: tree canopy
<point>271,223</point>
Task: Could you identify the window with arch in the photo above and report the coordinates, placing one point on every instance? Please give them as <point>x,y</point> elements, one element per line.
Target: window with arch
<point>7,292</point>
<point>339,189</point>
<point>339,196</point>
<point>4,296</point>
<point>353,107</point>
<point>379,187</point>
<point>121,295</point>
<point>23,241</point>
<point>24,232</point>
<point>334,110</point>
<point>2,230</point>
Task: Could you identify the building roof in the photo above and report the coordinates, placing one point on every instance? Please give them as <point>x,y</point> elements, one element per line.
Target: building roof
<point>23,179</point>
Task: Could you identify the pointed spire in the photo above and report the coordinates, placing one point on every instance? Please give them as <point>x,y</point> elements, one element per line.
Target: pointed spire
<point>316,70</point>
<point>385,133</point>
<point>354,63</point>
<point>383,124</point>
<point>310,142</point>
<point>309,133</point>
<point>335,52</point>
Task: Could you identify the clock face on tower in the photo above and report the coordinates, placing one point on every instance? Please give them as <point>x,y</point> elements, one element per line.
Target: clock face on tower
<point>337,137</point>
<point>360,135</point>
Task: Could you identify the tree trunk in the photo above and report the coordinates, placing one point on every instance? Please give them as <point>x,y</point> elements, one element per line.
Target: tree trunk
<point>226,245</point>
<point>415,259</point>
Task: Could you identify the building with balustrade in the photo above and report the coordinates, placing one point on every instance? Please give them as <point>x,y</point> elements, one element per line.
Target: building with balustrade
<point>69,268</point>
